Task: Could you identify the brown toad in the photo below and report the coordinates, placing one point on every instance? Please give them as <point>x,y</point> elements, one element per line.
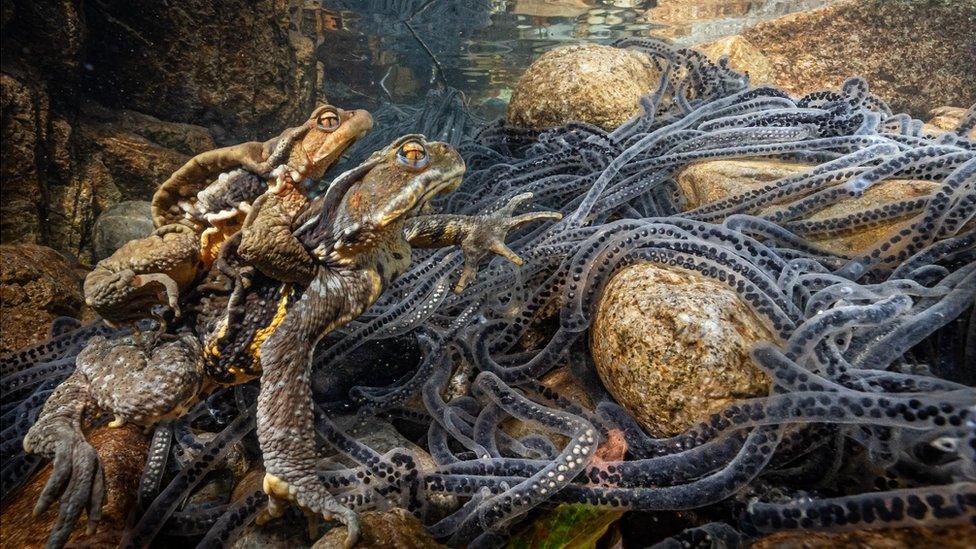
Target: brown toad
<point>204,203</point>
<point>338,255</point>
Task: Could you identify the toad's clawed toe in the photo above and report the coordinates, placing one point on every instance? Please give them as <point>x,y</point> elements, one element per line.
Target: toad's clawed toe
<point>313,498</point>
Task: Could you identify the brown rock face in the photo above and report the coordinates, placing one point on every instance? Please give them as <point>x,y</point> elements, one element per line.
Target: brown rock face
<point>59,176</point>
<point>20,195</point>
<point>673,346</point>
<point>915,55</point>
<point>234,64</point>
<point>600,85</point>
<point>239,67</point>
<point>37,285</point>
<point>123,454</point>
<point>394,529</point>
<point>706,182</point>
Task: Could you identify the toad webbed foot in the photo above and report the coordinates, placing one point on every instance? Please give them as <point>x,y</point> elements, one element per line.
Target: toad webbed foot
<point>76,478</point>
<point>313,498</point>
<point>487,235</point>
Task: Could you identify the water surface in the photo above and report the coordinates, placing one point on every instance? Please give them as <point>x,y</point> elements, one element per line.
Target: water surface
<point>376,51</point>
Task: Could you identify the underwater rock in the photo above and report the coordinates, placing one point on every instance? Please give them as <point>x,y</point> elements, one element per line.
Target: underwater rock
<point>139,151</point>
<point>590,83</point>
<point>59,176</point>
<point>284,533</point>
<point>944,119</point>
<point>123,454</point>
<point>710,181</point>
<point>743,56</point>
<point>393,529</point>
<point>955,537</point>
<point>119,224</point>
<point>37,285</point>
<point>673,346</point>
<point>25,113</point>
<point>237,66</point>
<point>907,51</point>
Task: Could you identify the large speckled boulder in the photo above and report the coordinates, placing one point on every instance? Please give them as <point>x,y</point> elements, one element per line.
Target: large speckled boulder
<point>601,85</point>
<point>119,224</point>
<point>709,181</point>
<point>123,455</point>
<point>672,346</point>
<point>908,51</point>
<point>37,285</point>
<point>393,529</point>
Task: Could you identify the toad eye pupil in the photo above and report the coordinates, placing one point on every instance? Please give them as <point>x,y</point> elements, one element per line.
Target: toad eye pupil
<point>413,155</point>
<point>328,121</point>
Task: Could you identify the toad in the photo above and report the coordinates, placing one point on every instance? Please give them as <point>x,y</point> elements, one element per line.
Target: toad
<point>204,203</point>
<point>333,260</point>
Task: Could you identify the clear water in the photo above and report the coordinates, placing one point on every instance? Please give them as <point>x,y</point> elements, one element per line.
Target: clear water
<point>376,51</point>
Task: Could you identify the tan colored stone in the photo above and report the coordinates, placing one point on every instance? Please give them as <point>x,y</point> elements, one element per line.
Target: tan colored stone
<point>714,180</point>
<point>704,182</point>
<point>885,192</point>
<point>672,346</point>
<point>591,83</point>
<point>743,56</point>
<point>944,119</point>
<point>123,455</point>
<point>912,54</point>
<point>37,285</point>
<point>955,537</point>
<point>393,529</point>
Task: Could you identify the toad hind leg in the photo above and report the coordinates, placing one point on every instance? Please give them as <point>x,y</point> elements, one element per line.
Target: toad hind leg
<point>131,377</point>
<point>77,475</point>
<point>286,430</point>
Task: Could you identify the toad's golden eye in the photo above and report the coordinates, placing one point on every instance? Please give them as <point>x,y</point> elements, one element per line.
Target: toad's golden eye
<point>328,121</point>
<point>413,155</point>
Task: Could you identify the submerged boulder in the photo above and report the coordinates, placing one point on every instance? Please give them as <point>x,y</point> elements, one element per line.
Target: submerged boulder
<point>714,180</point>
<point>590,83</point>
<point>946,119</point>
<point>393,529</point>
<point>672,346</point>
<point>907,51</point>
<point>37,285</point>
<point>119,224</point>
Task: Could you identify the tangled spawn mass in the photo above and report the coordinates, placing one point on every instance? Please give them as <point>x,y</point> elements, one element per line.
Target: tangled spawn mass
<point>871,361</point>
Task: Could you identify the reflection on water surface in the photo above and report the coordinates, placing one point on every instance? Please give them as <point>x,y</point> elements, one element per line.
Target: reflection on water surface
<point>375,51</point>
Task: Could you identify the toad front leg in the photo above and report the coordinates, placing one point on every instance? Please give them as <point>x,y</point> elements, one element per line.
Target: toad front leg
<point>267,242</point>
<point>144,273</point>
<point>286,430</point>
<point>477,235</point>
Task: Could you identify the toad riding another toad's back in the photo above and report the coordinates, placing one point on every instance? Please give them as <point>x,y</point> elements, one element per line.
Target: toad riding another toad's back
<point>246,274</point>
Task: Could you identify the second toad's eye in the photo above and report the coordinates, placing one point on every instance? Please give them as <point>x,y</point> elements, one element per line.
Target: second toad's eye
<point>328,121</point>
<point>413,155</point>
